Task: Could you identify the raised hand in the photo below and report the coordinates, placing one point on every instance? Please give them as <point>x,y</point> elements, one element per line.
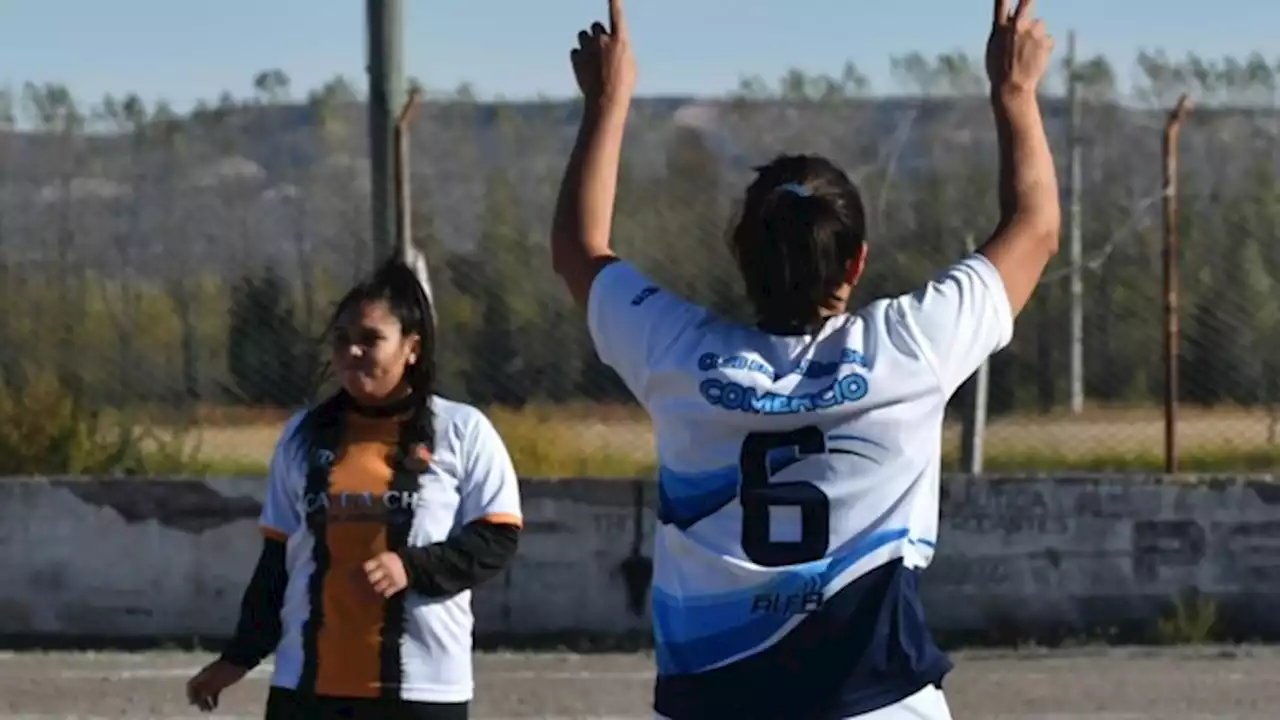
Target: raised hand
<point>1018,49</point>
<point>602,62</point>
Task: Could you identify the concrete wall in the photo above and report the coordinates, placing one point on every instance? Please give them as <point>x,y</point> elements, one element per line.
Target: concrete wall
<point>1019,558</point>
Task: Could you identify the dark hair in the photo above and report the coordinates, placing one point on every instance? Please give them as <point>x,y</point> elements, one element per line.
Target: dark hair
<point>801,223</point>
<point>396,284</point>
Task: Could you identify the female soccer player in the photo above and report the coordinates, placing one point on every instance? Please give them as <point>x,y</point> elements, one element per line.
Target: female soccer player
<point>799,457</point>
<point>385,505</point>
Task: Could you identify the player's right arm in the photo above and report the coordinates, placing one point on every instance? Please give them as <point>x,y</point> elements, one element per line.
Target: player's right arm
<point>259,627</point>
<point>1026,237</point>
<point>964,315</point>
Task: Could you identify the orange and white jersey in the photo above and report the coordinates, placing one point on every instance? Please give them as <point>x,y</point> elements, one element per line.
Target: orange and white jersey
<point>336,508</point>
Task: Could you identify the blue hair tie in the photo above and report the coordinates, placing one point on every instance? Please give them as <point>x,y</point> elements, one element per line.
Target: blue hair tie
<point>795,189</point>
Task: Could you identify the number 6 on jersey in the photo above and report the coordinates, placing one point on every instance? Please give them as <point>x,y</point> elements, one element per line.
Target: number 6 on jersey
<point>761,499</point>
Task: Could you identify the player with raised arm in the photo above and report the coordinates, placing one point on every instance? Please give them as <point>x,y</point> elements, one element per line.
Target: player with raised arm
<point>800,456</point>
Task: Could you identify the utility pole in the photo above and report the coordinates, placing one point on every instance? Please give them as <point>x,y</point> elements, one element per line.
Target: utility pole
<point>384,24</point>
<point>1075,241</point>
<point>974,424</point>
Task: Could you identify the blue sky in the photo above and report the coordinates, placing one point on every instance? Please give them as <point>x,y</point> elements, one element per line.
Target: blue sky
<point>183,50</point>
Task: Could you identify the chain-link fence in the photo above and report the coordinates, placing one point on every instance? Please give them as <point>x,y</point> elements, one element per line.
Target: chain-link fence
<point>166,278</point>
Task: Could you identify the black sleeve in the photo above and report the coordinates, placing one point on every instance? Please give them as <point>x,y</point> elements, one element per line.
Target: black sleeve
<point>258,631</point>
<point>478,552</point>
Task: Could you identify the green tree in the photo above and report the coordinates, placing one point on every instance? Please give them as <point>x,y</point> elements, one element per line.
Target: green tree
<point>269,358</point>
<point>498,371</point>
<point>58,115</point>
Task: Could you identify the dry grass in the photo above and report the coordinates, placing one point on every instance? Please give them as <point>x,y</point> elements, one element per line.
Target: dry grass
<point>617,441</point>
<point>1135,431</point>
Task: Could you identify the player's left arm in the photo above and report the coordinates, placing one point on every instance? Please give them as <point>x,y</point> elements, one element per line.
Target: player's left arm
<point>632,324</point>
<point>490,515</point>
<point>583,218</point>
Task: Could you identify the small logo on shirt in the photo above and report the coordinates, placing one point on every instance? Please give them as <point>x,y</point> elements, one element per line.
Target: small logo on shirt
<point>643,295</point>
<point>323,459</point>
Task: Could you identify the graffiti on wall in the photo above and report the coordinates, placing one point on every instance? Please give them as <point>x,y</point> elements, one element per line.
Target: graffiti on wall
<point>1118,502</point>
<point>996,574</point>
<point>1250,552</point>
<point>613,523</point>
<point>1008,508</point>
<point>1160,546</point>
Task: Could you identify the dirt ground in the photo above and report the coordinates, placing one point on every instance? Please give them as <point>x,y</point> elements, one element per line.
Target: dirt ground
<point>1086,684</point>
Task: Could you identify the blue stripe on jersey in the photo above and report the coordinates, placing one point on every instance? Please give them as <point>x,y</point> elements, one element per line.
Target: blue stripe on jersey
<point>866,648</point>
<point>693,632</point>
<point>684,498</point>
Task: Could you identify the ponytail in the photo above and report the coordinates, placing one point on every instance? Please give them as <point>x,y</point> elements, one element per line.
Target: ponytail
<point>801,225</point>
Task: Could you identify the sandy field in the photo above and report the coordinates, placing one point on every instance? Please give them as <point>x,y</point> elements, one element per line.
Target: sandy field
<point>1085,684</point>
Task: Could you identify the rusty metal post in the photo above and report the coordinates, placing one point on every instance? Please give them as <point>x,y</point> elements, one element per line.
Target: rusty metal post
<point>1172,340</point>
<point>403,205</point>
<point>413,256</point>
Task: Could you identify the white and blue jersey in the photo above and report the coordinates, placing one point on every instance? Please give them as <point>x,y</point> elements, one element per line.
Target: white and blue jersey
<point>798,489</point>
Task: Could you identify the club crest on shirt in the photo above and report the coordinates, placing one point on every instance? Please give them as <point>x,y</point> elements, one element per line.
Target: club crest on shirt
<point>416,459</point>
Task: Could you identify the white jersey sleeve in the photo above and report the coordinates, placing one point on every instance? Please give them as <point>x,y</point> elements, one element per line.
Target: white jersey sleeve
<point>490,489</point>
<point>634,323</point>
<point>281,508</point>
<point>958,320</point>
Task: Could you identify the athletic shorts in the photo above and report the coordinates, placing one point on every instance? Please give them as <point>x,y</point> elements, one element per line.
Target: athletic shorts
<point>285,704</point>
<point>928,704</point>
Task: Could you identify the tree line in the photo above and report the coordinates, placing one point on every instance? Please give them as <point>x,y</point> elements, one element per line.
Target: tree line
<point>172,260</point>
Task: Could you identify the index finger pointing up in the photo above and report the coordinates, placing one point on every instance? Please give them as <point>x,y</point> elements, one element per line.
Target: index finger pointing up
<point>1024,9</point>
<point>1002,13</point>
<point>617,25</point>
